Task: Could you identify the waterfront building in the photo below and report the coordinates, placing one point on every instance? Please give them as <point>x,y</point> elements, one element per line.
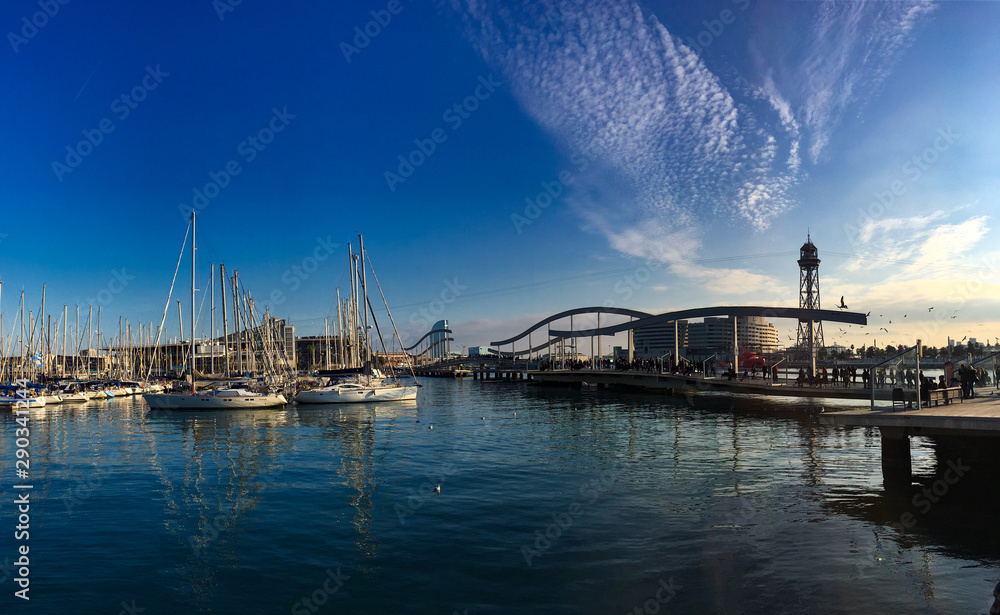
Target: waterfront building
<point>658,340</point>
<point>440,341</point>
<point>710,336</point>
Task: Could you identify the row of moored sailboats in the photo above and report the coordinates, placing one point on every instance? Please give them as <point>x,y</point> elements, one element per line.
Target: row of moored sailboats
<point>365,384</point>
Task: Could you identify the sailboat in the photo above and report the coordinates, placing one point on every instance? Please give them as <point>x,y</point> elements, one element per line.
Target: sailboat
<point>370,386</point>
<point>219,399</point>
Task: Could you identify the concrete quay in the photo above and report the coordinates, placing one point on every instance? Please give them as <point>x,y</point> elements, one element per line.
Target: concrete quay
<point>697,382</point>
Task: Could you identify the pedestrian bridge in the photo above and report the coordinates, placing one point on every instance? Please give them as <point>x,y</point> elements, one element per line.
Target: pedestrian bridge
<point>638,320</point>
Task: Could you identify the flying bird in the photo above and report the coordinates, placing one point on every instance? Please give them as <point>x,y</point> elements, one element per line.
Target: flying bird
<point>929,309</point>
<point>842,305</point>
<point>954,317</point>
<point>883,329</point>
<point>963,339</point>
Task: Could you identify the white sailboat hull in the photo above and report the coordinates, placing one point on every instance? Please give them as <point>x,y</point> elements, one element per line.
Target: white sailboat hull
<point>354,394</point>
<point>72,398</point>
<point>33,402</point>
<point>164,401</point>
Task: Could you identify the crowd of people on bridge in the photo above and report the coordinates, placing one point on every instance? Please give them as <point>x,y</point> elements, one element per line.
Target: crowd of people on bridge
<point>967,377</point>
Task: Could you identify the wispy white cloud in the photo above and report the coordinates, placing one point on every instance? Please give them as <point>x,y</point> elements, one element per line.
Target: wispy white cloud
<point>849,50</point>
<point>610,80</point>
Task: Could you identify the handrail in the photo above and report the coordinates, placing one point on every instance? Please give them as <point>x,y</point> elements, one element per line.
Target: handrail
<point>871,374</point>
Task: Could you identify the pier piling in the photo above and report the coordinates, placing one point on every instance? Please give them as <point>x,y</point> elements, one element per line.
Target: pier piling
<point>896,465</point>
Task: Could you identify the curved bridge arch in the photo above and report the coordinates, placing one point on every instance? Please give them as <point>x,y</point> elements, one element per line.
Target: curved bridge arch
<point>573,312</point>
<point>432,346</point>
<point>426,335</point>
<point>854,318</point>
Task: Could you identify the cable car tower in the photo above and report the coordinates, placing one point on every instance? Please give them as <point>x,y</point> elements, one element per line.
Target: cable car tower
<point>810,334</point>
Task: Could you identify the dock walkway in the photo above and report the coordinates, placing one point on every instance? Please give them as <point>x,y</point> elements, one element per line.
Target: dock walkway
<point>698,382</point>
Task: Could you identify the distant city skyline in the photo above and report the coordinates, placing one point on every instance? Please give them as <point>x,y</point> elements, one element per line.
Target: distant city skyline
<point>506,163</point>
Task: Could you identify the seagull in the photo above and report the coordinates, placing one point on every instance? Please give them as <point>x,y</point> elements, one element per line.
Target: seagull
<point>890,322</point>
<point>868,314</point>
<point>963,339</point>
<point>954,317</point>
<point>883,329</point>
<point>437,489</point>
<point>929,309</point>
<point>842,306</point>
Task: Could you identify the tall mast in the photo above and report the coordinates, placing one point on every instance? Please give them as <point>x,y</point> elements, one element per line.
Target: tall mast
<point>98,350</point>
<point>64,342</point>
<point>225,324</point>
<point>180,325</point>
<point>192,301</point>
<point>234,283</point>
<point>21,339</point>
<point>364,301</point>
<point>352,316</point>
<point>121,346</point>
<point>340,334</point>
<point>211,323</point>
<point>76,353</point>
<point>90,318</point>
<point>43,346</point>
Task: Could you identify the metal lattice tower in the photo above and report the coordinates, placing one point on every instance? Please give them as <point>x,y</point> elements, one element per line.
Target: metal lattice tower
<point>810,334</point>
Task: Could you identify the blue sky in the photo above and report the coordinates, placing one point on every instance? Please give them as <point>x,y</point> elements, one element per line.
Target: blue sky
<point>505,163</point>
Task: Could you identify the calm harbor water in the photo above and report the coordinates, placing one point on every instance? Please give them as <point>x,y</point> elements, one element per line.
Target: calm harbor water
<point>551,501</point>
